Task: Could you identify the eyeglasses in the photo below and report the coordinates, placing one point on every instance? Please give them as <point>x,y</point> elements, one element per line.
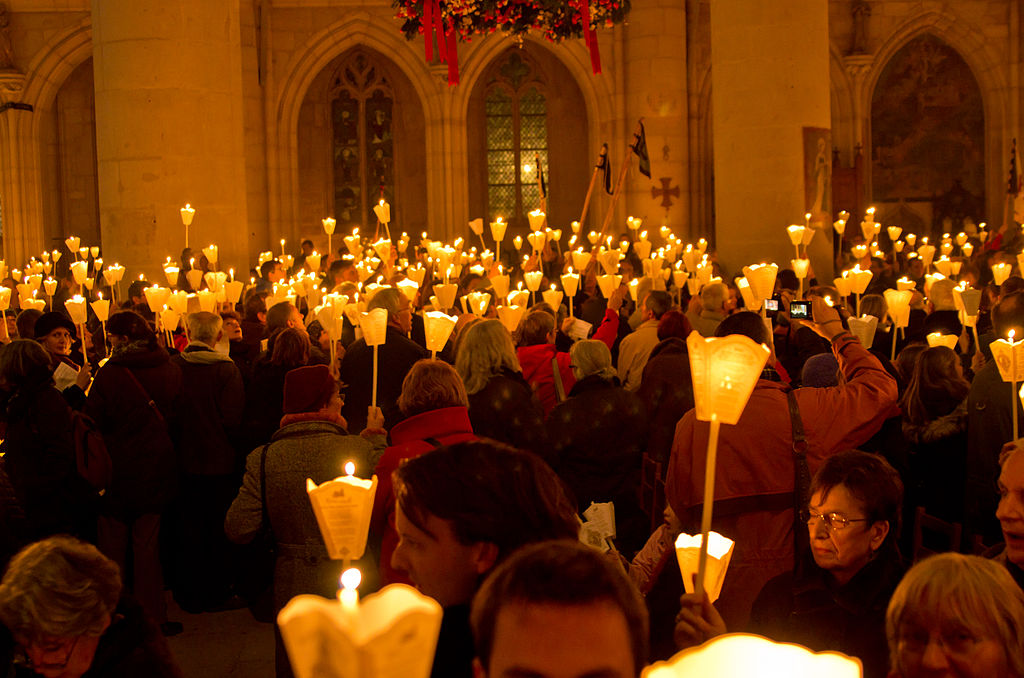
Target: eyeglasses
<point>833,521</point>
<point>48,650</point>
<point>954,642</point>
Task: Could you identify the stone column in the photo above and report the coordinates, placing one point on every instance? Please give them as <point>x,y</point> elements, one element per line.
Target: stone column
<point>770,79</point>
<point>169,130</point>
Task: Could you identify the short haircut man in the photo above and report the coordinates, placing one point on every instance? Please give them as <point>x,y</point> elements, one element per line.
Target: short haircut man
<point>204,327</point>
<point>658,303</point>
<point>268,268</point>
<point>460,510</point>
<point>482,493</point>
<point>713,296</point>
<point>282,315</point>
<point>559,608</point>
<point>538,328</point>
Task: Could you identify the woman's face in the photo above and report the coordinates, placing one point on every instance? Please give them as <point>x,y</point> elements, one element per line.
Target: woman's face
<point>57,342</point>
<point>62,657</point>
<point>842,550</point>
<point>929,646</point>
<point>232,329</point>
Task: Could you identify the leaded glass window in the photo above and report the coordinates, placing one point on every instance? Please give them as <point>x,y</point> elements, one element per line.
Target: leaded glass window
<point>517,138</point>
<point>362,111</point>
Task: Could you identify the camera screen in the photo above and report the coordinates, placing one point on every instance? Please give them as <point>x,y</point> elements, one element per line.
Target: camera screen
<point>771,304</point>
<point>799,310</point>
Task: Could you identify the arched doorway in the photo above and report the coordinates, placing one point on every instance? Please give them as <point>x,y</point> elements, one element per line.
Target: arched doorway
<point>928,134</point>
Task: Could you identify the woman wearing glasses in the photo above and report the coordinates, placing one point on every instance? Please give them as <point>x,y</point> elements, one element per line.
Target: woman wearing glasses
<point>838,601</point>
<point>62,615</point>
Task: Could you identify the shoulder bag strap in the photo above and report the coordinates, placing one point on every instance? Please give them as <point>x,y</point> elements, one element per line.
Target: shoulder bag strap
<point>801,480</point>
<point>264,518</point>
<point>149,400</point>
<point>559,386</point>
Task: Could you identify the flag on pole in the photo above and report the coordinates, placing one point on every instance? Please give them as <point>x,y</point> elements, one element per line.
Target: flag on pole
<point>639,147</point>
<point>540,178</point>
<point>605,166</point>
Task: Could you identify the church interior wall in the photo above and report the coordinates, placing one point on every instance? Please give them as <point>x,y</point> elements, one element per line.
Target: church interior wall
<point>656,66</point>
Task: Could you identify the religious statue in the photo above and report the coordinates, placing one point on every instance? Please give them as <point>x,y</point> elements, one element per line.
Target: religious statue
<point>861,11</point>
<point>6,50</point>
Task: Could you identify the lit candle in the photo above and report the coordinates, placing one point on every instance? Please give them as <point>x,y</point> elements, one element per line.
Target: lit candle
<point>348,594</point>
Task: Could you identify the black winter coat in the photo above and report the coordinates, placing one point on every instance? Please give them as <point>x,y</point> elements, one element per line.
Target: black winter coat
<point>137,433</point>
<point>666,390</point>
<point>394,360</point>
<point>506,410</point>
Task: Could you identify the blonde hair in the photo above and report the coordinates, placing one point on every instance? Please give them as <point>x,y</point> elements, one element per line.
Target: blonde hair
<point>979,594</point>
<point>59,587</point>
<point>485,349</point>
<point>591,356</point>
<point>431,385</point>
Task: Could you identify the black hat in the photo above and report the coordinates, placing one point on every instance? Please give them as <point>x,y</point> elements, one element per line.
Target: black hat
<point>48,322</point>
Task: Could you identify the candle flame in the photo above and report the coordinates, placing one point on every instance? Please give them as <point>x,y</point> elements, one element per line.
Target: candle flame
<point>351,578</point>
<point>350,468</point>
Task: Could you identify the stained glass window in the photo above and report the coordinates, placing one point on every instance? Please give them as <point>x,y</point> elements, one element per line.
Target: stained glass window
<point>517,139</point>
<point>362,111</point>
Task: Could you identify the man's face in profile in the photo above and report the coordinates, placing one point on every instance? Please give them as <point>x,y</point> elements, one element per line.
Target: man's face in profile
<point>540,640</point>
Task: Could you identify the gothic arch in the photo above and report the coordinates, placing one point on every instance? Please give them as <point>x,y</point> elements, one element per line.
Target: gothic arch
<point>20,180</point>
<point>357,29</point>
<point>844,114</point>
<point>972,46</point>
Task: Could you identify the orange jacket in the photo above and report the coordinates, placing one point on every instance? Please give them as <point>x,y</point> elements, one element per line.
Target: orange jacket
<point>755,458</point>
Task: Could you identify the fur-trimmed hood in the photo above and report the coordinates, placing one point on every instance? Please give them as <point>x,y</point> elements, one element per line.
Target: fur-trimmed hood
<point>945,426</point>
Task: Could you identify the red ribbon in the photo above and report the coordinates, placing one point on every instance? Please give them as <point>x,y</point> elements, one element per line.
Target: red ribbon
<point>439,29</point>
<point>590,37</point>
<point>428,29</point>
<point>453,55</point>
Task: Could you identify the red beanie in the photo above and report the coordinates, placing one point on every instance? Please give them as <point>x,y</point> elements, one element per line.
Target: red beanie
<point>308,389</point>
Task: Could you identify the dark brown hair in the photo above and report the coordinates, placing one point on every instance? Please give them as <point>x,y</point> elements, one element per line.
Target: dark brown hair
<point>537,326</point>
<point>935,388</point>
<point>871,480</point>
<point>488,492</point>
<point>291,348</point>
<point>562,573</point>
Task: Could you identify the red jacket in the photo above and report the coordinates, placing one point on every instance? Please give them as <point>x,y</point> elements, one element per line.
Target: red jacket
<point>447,426</point>
<point>755,457</point>
<point>537,369</point>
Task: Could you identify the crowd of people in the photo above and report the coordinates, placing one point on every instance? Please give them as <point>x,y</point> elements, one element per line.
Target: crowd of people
<point>487,457</point>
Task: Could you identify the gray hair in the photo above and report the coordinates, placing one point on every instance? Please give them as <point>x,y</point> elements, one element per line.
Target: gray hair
<point>59,587</point>
<point>484,351</point>
<point>389,299</point>
<point>204,327</point>
<point>591,356</point>
<point>713,296</point>
<point>978,594</point>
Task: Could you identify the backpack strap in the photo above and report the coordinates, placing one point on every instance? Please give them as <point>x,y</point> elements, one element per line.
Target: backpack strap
<point>149,400</point>
<point>801,480</point>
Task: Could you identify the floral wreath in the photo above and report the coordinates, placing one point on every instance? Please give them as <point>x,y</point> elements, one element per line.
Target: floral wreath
<point>556,20</point>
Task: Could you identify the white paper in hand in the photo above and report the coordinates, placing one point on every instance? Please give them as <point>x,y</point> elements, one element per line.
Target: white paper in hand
<point>64,376</point>
<point>580,329</point>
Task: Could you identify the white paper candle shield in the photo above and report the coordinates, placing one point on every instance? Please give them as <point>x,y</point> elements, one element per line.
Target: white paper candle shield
<point>1000,272</point>
<point>477,226</point>
<point>898,302</point>
<point>944,266</point>
<point>537,219</point>
<point>1009,357</point>
<point>215,280</point>
<point>178,302</point>
<point>383,249</point>
<point>642,249</point>
<point>343,508</point>
<point>187,214</point>
<point>207,301</point>
<point>233,291</point>
<point>437,327</point>
<point>724,372</point>
<point>33,303</point>
<point>553,298</point>
<point>500,283</point>
<point>477,302</point>
<point>927,253</point>
<point>894,233</point>
<point>374,325</point>
<point>212,253</point>
<point>445,294</point>
<point>498,230</point>
<point>195,278</point>
<point>5,298</point>
<point>510,317</point>
<point>389,634</point>
<point>75,306</point>
<point>939,339</point>
<point>169,319</point>
<point>610,261</point>
<point>801,267</point>
<point>864,329</point>
<point>796,234</point>
<point>383,212</point>
<point>72,243</point>
<point>967,300</point>
<point>533,280</point>
<point>80,271</point>
<point>156,297</point>
<point>750,301</point>
<point>762,279</point>
<point>608,284</point>
<point>740,655</point>
<point>580,259</point>
<point>906,283</point>
<point>719,554</point>
<point>409,288</point>
<point>859,279</point>
<point>101,307</point>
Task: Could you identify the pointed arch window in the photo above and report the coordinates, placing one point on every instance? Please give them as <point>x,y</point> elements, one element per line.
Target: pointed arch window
<point>516,137</point>
<point>362,111</point>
